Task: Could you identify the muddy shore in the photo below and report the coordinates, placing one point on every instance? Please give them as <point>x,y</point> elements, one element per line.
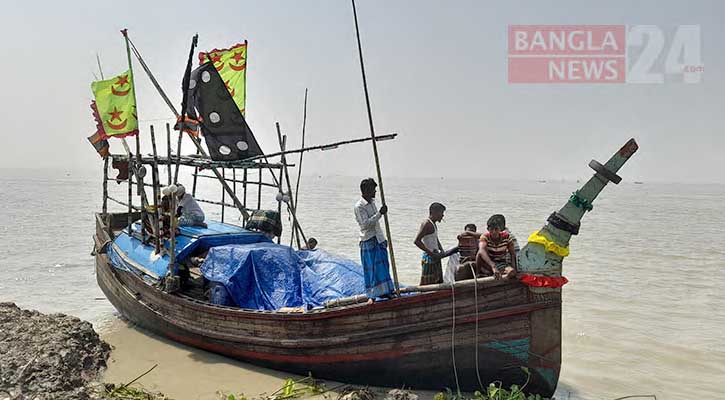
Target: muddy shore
<point>48,356</point>
<point>57,356</point>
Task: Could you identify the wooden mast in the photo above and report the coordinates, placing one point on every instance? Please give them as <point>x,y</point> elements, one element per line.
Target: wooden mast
<point>375,152</point>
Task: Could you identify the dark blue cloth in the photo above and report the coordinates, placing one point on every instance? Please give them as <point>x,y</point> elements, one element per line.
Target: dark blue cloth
<point>260,276</point>
<point>268,276</point>
<point>374,256</point>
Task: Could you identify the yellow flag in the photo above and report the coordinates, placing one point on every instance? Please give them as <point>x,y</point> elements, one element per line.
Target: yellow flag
<point>116,105</point>
<point>232,66</point>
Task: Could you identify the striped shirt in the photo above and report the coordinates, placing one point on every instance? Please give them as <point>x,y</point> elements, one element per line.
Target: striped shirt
<point>496,249</point>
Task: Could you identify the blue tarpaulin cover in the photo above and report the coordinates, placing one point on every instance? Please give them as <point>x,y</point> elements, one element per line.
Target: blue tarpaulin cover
<point>268,276</point>
<point>191,239</point>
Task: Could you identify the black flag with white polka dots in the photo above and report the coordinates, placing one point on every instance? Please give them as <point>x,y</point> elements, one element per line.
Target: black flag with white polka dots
<point>225,130</point>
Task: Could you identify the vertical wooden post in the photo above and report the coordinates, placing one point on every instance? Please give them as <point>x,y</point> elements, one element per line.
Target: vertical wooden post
<point>299,165</point>
<point>244,201</point>
<point>140,189</point>
<point>282,145</point>
<point>172,235</point>
<point>296,229</point>
<point>105,185</point>
<point>178,157</point>
<point>259,190</point>
<point>223,194</point>
<point>168,152</point>
<point>155,178</point>
<point>375,152</point>
<point>130,191</point>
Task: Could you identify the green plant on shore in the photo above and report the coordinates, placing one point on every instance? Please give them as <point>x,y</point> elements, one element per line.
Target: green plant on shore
<point>494,391</point>
<point>291,389</point>
<point>126,392</point>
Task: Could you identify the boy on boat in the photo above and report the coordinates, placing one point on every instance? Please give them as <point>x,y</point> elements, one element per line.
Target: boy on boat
<point>494,247</point>
<point>373,244</point>
<point>427,240</point>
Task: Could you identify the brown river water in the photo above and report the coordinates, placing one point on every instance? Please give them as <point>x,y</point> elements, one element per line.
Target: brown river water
<point>643,312</point>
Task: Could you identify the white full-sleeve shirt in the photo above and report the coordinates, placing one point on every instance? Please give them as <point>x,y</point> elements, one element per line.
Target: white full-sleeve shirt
<point>368,217</point>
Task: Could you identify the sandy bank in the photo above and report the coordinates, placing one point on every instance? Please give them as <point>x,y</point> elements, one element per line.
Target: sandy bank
<point>185,372</point>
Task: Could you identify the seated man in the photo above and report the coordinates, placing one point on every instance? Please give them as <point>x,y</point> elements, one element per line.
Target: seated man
<point>189,212</point>
<point>267,222</point>
<point>465,251</point>
<point>493,248</point>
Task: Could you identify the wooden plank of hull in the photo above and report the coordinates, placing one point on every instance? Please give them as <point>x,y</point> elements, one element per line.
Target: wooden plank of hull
<point>386,344</point>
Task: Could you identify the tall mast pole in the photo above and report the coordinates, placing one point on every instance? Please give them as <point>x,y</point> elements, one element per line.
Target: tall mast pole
<point>375,152</point>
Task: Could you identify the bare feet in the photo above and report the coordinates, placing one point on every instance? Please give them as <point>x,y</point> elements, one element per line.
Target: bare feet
<point>370,301</point>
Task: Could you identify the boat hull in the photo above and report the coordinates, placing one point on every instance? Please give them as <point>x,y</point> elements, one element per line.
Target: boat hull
<point>410,341</point>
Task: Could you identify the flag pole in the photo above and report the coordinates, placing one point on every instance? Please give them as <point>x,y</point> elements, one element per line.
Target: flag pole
<point>375,152</point>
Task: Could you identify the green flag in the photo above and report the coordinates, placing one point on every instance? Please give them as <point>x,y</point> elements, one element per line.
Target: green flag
<point>116,105</point>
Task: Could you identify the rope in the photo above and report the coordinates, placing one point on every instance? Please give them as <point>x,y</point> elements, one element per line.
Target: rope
<point>453,337</point>
<point>475,299</point>
<point>151,77</point>
<point>580,202</point>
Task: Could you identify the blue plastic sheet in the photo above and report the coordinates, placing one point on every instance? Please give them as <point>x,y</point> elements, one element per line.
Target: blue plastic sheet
<point>268,276</point>
<point>326,276</point>
<point>192,239</point>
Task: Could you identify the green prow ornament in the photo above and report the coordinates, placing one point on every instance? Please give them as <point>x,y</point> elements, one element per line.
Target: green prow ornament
<point>546,249</point>
<point>541,259</point>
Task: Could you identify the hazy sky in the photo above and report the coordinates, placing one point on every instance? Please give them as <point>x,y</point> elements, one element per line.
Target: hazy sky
<point>437,74</point>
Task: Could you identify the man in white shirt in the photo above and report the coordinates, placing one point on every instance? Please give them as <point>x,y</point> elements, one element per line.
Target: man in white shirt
<point>373,244</point>
<point>191,213</point>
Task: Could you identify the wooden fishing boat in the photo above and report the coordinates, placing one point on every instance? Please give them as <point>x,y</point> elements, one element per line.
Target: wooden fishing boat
<point>456,336</point>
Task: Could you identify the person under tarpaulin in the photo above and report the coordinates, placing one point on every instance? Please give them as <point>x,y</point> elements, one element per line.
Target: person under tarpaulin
<point>189,212</point>
<point>427,240</point>
<point>373,244</point>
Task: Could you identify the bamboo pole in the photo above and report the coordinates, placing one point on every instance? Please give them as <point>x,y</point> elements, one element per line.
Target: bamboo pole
<point>259,191</point>
<point>172,234</point>
<point>122,203</point>
<point>130,189</point>
<point>282,144</point>
<point>244,186</point>
<point>238,181</point>
<point>155,178</point>
<point>223,197</point>
<point>184,103</point>
<point>168,153</point>
<point>105,185</point>
<point>295,223</point>
<point>375,152</point>
<point>194,140</point>
<point>324,147</point>
<point>98,60</point>
<point>140,189</point>
<point>299,164</point>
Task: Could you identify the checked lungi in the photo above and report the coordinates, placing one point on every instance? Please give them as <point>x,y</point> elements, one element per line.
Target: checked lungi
<point>374,256</point>
<point>432,271</point>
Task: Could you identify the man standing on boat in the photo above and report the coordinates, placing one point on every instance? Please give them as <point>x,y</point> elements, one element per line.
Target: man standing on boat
<point>427,241</point>
<point>373,244</point>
